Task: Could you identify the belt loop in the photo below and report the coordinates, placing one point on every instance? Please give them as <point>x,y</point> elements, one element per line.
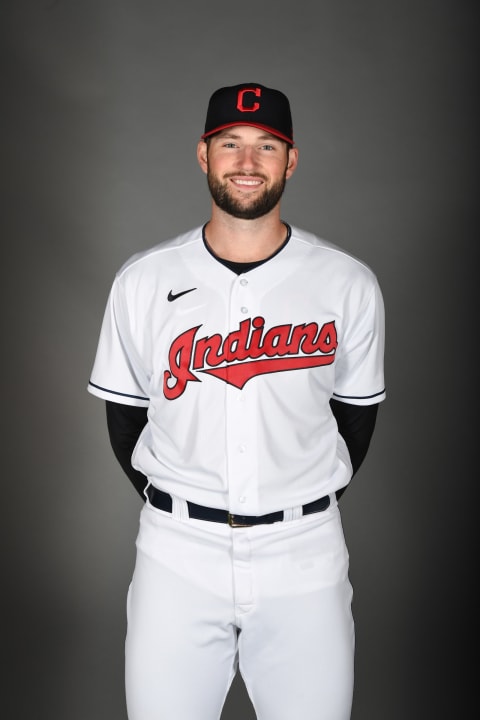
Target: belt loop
<point>292,513</point>
<point>179,508</point>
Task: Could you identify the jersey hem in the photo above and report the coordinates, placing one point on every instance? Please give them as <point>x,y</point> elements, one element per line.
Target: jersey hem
<point>361,399</point>
<point>114,396</point>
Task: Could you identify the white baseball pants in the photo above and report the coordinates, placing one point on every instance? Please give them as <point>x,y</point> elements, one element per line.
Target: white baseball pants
<point>274,598</point>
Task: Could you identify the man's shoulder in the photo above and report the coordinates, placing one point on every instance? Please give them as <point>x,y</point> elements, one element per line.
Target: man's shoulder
<point>324,249</point>
<point>159,253</point>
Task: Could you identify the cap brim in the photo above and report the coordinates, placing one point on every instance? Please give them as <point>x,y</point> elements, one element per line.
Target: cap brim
<point>268,129</point>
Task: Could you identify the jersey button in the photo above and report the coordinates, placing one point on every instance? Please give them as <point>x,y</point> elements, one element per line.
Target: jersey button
<point>244,310</point>
<point>242,448</point>
<point>242,499</point>
<point>244,282</point>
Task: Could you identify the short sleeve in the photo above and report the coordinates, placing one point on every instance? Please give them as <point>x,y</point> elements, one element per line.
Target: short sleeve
<point>359,377</point>
<point>118,372</point>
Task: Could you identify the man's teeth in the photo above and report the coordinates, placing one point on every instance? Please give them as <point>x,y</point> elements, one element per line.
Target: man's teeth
<point>247,182</point>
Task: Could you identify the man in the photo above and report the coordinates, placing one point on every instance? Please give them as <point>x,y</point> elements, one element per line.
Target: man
<point>242,364</point>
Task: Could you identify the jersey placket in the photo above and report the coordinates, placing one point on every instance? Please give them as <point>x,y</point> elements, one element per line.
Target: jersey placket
<point>241,418</point>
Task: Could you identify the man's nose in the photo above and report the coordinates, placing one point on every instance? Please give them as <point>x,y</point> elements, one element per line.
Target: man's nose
<point>246,158</point>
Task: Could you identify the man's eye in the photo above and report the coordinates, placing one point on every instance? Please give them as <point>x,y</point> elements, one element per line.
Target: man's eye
<point>229,145</point>
<point>268,147</point>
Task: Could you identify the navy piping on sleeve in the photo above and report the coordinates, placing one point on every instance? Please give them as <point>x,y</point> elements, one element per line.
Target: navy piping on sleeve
<point>359,397</point>
<point>114,392</point>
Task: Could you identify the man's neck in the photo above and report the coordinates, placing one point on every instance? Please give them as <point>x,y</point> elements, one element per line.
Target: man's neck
<point>244,240</point>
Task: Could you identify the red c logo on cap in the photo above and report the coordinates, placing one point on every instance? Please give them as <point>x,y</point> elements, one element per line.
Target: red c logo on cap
<point>240,106</point>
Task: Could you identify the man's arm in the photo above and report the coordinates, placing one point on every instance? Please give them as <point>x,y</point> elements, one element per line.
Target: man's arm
<point>125,423</point>
<point>356,424</point>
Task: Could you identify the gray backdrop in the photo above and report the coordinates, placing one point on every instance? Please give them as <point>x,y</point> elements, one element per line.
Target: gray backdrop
<point>103,102</point>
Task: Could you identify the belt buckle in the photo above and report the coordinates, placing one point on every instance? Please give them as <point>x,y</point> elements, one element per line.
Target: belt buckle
<point>235,524</point>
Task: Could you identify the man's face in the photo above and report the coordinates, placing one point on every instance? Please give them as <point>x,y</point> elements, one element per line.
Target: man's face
<point>246,170</point>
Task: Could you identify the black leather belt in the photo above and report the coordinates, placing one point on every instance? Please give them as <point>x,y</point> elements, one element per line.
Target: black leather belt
<point>163,501</point>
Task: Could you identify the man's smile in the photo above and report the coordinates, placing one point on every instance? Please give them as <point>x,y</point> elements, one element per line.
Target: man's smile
<point>251,183</point>
<point>246,181</point>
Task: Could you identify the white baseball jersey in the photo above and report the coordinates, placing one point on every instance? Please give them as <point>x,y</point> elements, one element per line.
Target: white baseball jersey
<point>237,371</point>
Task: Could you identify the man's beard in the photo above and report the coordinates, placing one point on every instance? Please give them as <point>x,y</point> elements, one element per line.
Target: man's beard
<point>258,207</point>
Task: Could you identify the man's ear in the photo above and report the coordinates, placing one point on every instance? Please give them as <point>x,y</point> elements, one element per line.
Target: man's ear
<point>202,155</point>
<point>292,161</point>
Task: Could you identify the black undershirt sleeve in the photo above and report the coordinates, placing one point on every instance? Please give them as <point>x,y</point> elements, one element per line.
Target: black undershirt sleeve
<point>356,424</point>
<point>125,424</point>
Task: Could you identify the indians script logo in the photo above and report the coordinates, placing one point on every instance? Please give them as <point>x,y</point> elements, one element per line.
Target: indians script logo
<point>247,352</point>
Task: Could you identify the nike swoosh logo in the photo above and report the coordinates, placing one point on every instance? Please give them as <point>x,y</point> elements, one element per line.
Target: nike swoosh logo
<point>174,296</point>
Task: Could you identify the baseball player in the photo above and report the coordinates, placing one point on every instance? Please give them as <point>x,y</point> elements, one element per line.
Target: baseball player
<point>242,366</point>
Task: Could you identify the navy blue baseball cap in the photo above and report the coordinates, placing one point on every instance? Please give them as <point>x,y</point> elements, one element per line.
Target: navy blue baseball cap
<point>250,104</point>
